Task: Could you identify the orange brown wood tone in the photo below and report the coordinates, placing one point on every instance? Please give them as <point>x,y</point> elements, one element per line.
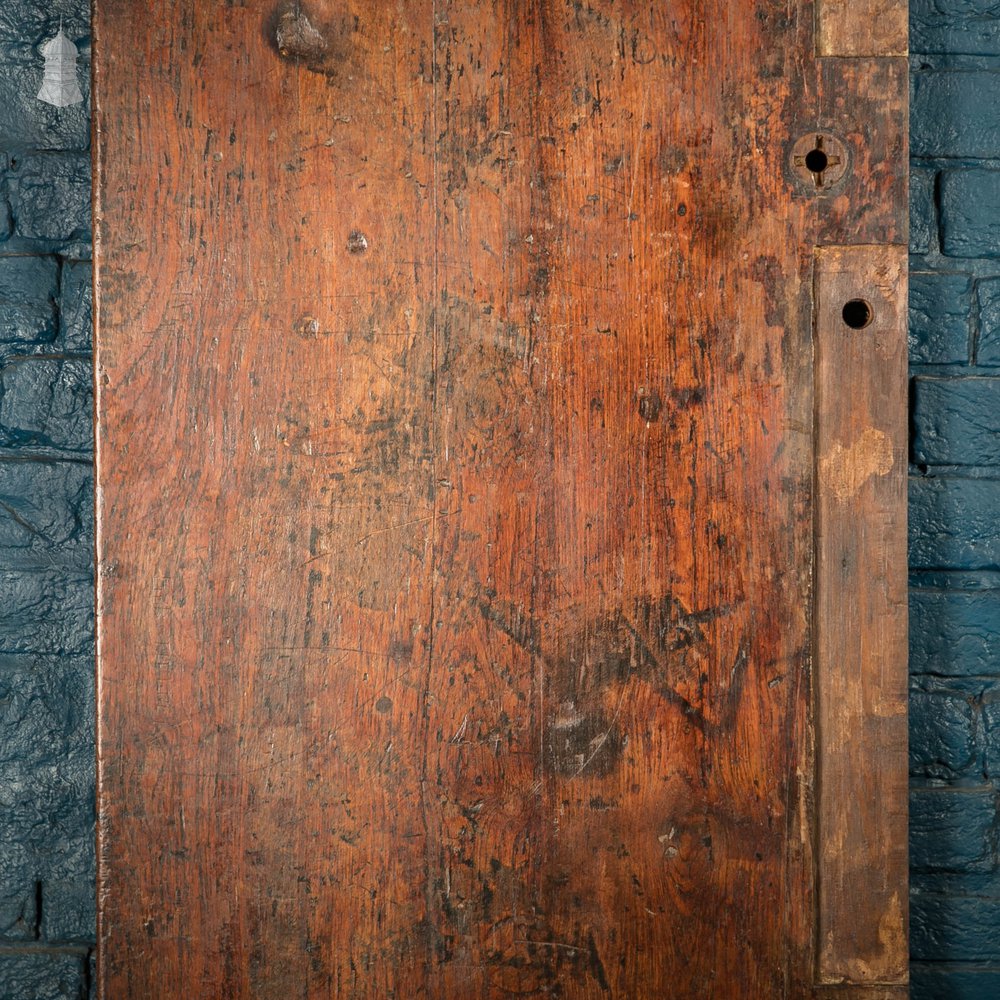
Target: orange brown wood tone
<point>464,475</point>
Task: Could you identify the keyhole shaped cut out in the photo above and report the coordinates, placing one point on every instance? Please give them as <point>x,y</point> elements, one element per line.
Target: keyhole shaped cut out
<point>819,161</point>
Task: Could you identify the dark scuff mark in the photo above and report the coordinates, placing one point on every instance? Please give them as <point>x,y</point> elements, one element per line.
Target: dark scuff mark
<point>301,37</point>
<point>767,271</point>
<point>357,242</point>
<point>596,965</point>
<point>514,624</point>
<point>654,640</point>
<point>687,397</point>
<point>296,37</point>
<point>307,327</point>
<point>737,677</point>
<point>612,165</point>
<point>672,160</point>
<point>650,406</point>
<point>576,742</point>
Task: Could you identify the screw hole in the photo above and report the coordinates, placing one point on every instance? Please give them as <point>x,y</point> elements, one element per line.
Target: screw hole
<point>817,161</point>
<point>857,314</point>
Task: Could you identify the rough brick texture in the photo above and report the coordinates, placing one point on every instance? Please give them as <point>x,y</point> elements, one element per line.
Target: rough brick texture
<point>46,521</point>
<point>956,981</point>
<point>35,974</point>
<point>955,500</point>
<point>952,830</point>
<point>956,421</point>
<point>954,27</point>
<point>954,633</point>
<point>956,112</point>
<point>954,522</point>
<point>970,199</point>
<point>940,310</point>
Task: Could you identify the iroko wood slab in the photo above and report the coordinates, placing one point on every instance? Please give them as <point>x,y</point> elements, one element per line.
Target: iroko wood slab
<point>461,454</point>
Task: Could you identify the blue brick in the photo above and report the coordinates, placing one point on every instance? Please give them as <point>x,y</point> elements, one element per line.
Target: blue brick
<point>923,211</point>
<point>956,421</point>
<point>47,403</point>
<point>46,516</point>
<point>46,551</point>
<point>46,612</point>
<point>955,113</point>
<point>76,306</point>
<point>942,735</point>
<point>947,981</point>
<point>69,907</point>
<point>968,27</point>
<point>28,295</point>
<point>53,860</point>
<point>955,633</point>
<point>41,975</point>
<point>988,302</point>
<point>970,212</point>
<point>953,829</point>
<point>46,523</point>
<point>46,753</point>
<point>50,196</point>
<point>940,311</point>
<point>26,122</point>
<point>949,926</point>
<point>45,704</point>
<point>991,736</point>
<point>26,23</point>
<point>953,523</point>
<point>19,913</point>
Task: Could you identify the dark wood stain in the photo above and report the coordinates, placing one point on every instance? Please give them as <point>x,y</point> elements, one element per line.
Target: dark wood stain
<point>457,477</point>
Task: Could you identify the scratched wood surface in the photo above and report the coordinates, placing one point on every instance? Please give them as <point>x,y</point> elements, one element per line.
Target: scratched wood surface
<point>456,477</point>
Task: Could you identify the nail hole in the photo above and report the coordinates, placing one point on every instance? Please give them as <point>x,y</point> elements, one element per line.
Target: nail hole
<point>357,242</point>
<point>857,314</point>
<point>649,406</point>
<point>817,161</point>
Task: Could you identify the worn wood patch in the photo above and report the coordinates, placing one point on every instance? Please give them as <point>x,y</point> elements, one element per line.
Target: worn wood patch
<point>862,27</point>
<point>456,472</point>
<point>861,447</point>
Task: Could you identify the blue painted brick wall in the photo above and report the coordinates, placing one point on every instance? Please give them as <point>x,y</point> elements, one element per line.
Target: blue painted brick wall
<point>46,521</point>
<point>955,499</point>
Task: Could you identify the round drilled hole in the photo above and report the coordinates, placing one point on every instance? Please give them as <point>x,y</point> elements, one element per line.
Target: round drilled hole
<point>819,162</point>
<point>857,314</point>
<point>816,161</point>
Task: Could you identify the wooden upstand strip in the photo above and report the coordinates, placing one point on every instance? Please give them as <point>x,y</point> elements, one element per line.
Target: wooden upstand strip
<point>860,651</point>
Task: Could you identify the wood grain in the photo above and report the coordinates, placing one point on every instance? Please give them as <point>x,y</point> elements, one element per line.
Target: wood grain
<point>861,449</point>
<point>862,27</point>
<point>456,476</point>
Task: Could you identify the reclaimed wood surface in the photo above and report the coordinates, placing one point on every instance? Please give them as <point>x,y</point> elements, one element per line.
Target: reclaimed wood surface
<point>456,460</point>
<point>861,445</point>
<point>862,28</point>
